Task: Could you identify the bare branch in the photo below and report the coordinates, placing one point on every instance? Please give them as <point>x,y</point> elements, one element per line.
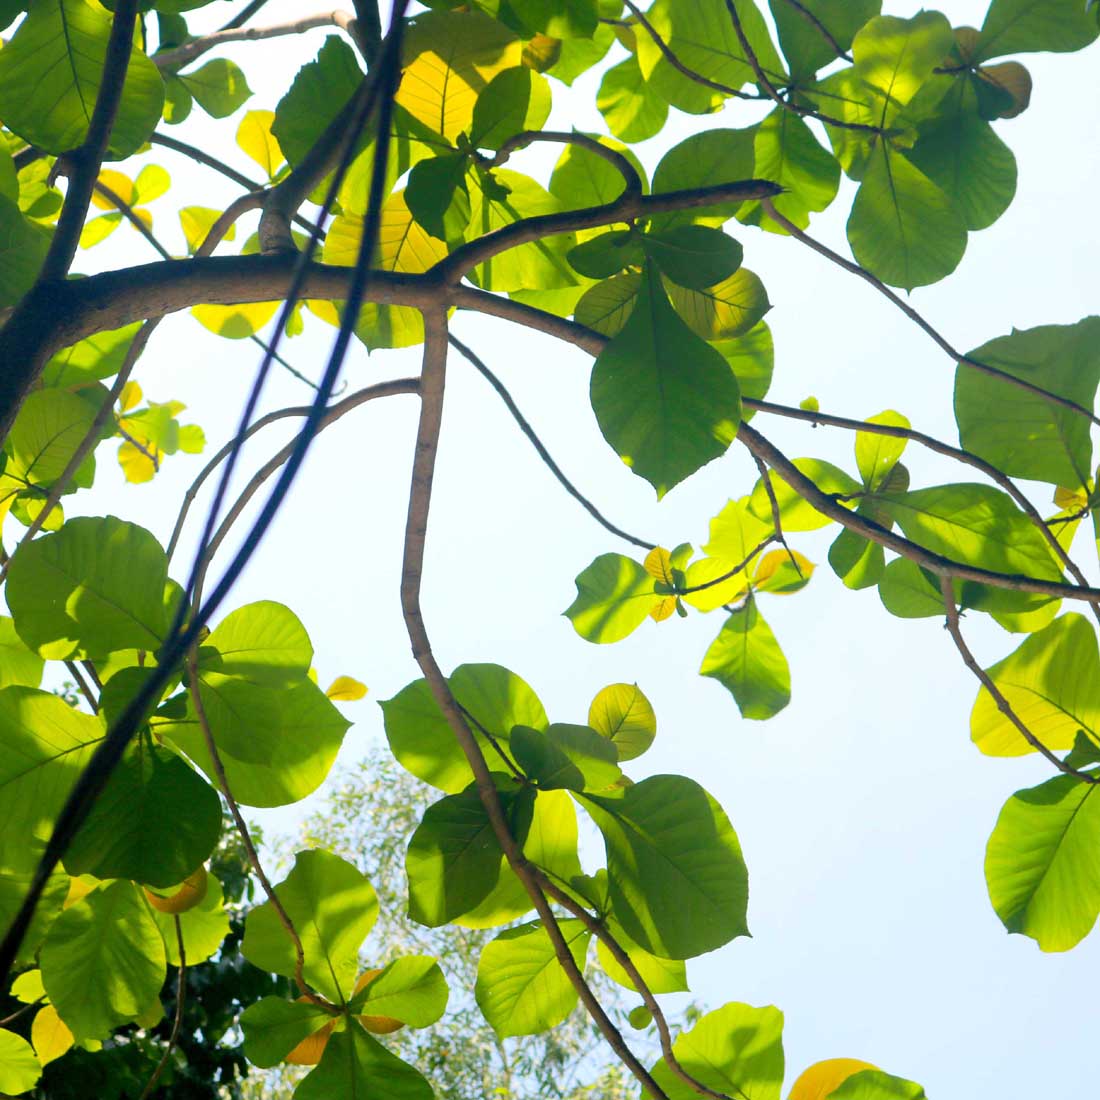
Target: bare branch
<point>821,29</point>
<point>773,501</point>
<point>1003,705</point>
<point>480,365</point>
<point>177,1022</point>
<point>918,320</point>
<point>571,137</point>
<point>78,679</point>
<point>433,378</point>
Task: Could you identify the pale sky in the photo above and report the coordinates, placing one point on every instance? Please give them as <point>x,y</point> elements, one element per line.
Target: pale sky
<point>863,809</point>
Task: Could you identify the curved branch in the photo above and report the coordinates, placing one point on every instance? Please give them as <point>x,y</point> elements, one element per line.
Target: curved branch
<point>185,54</point>
<point>433,378</point>
<point>620,163</point>
<point>936,563</point>
<point>177,1022</point>
<point>502,392</point>
<point>918,320</point>
<point>1003,705</point>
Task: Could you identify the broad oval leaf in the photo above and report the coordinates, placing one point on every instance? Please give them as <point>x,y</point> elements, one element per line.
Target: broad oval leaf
<point>411,989</point>
<point>622,713</point>
<point>614,597</point>
<point>746,660</point>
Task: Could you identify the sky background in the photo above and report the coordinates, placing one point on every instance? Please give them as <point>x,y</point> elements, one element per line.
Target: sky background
<point>863,809</point>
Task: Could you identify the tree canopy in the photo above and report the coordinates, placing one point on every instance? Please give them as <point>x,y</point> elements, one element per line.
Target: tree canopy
<point>387,193</point>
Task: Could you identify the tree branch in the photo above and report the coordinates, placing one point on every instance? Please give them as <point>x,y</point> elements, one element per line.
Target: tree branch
<point>433,378</point>
<point>918,320</point>
<point>821,29</point>
<point>177,1022</point>
<point>1003,705</point>
<point>84,162</point>
<point>502,392</point>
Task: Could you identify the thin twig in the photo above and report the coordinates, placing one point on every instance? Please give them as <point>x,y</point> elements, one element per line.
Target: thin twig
<point>616,159</point>
<point>918,320</point>
<point>246,838</point>
<point>820,27</point>
<point>82,685</point>
<point>525,427</point>
<point>19,1012</point>
<point>1003,705</point>
<point>773,501</point>
<point>433,377</point>
<point>739,568</point>
<point>177,1022</point>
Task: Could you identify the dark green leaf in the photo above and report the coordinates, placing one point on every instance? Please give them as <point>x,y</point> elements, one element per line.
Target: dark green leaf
<point>1026,26</point>
<point>804,44</point>
<point>437,197</point>
<point>566,757</point>
<point>357,1065</point>
<point>694,256</point>
<point>514,100</point>
<point>603,256</point>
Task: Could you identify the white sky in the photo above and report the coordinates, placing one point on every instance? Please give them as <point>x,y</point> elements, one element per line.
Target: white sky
<point>863,809</point>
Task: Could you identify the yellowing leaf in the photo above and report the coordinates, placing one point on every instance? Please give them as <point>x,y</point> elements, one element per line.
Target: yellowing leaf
<point>346,689</point>
<point>121,185</point>
<point>658,564</point>
<point>197,221</point>
<point>138,465</point>
<point>778,573</point>
<point>1071,500</point>
<point>662,610</point>
<point>129,397</point>
<point>823,1077</point>
<point>235,322</point>
<point>449,58</point>
<point>255,138</point>
<point>50,1036</point>
<point>99,229</point>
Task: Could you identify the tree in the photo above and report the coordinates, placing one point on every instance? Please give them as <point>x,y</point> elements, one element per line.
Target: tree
<point>399,132</point>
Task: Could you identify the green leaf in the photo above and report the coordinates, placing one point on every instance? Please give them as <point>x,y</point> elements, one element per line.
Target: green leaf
<point>316,96</point>
<point>907,593</point>
<point>45,746</point>
<point>702,37</point>
<point>857,561</point>
<point>804,46</point>
<point>796,514</point>
<point>514,100</point>
<point>694,256</point>
<point>607,306</point>
<point>453,861</point>
<point>873,1084</point>
<point>752,358</point>
<point>96,357</point>
<point>583,178</point>
<point>13,890</point>
<point>437,196</point>
<point>219,87</point>
<point>155,821</point>
<point>660,975</point>
<point>273,1027</point>
<point>877,455</point>
<point>607,254</point>
<point>736,1050</point>
<point>103,962</point>
<point>332,906</point>
<point>903,227</point>
<point>1021,433</point>
<point>960,152</point>
<point>262,642</point>
<point>1042,864</point>
<point>975,524</point>
<point>622,713</point>
<point>746,660</point>
<point>23,246</point>
<point>704,160</point>
<point>521,988</point>
<point>558,18</point>
<point>411,989</point>
<point>728,309</point>
<point>565,757</point>
<point>1052,682</point>
<point>94,587</point>
<point>787,153</point>
<point>1027,26</point>
<point>678,882</point>
<point>356,1065</point>
<point>666,401</point>
<point>19,1068</point>
<point>49,80</point>
<point>614,597</point>
<point>19,666</point>
<point>422,739</point>
<point>632,110</point>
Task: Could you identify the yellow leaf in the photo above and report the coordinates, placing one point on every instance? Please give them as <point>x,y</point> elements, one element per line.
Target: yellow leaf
<point>312,674</point>
<point>778,573</point>
<point>1070,500</point>
<point>80,886</point>
<point>152,182</point>
<point>50,1036</point>
<point>137,465</point>
<point>449,58</point>
<point>346,689</point>
<point>28,987</point>
<point>663,609</point>
<point>255,138</point>
<point>121,185</point>
<point>658,564</point>
<point>99,229</point>
<point>192,439</point>
<point>197,221</point>
<point>129,397</point>
<point>825,1077</point>
<point>235,322</point>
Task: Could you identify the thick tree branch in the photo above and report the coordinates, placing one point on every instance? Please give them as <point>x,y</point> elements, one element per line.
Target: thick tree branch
<point>919,321</point>
<point>1003,705</point>
<point>433,380</point>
